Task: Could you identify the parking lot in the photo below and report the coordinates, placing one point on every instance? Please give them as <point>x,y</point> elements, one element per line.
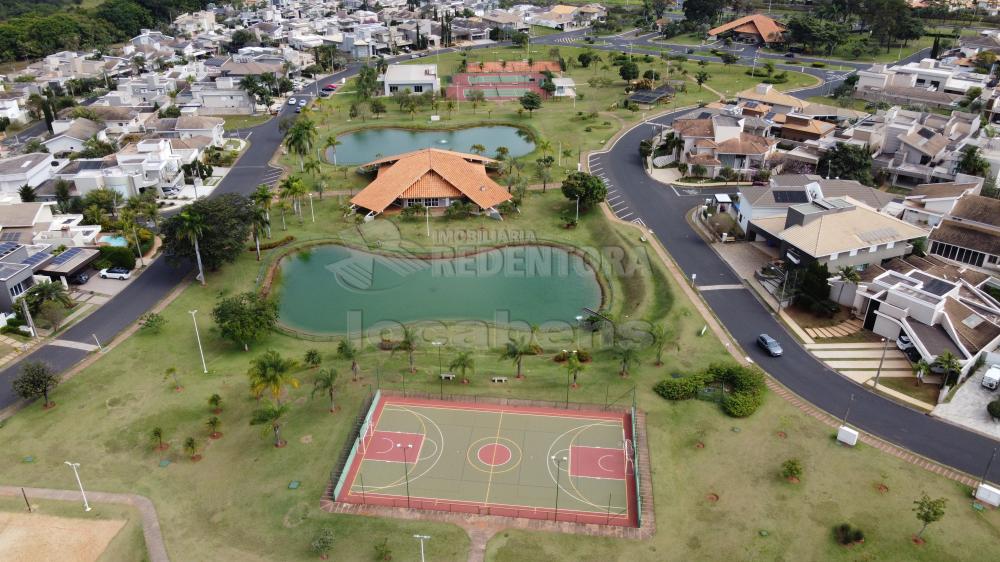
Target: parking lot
<point>103,287</point>
<point>968,406</point>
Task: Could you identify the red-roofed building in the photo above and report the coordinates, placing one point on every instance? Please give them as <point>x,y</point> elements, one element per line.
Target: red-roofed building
<point>755,28</point>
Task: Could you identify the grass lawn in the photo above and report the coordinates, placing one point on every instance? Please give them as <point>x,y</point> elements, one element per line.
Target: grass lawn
<point>541,31</point>
<point>907,385</point>
<point>128,543</point>
<point>856,104</point>
<point>233,122</point>
<point>558,121</point>
<point>686,39</point>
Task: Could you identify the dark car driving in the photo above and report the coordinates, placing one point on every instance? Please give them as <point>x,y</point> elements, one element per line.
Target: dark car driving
<point>770,345</point>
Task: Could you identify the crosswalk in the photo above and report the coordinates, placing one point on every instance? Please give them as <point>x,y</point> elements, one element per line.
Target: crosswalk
<point>615,200</point>
<point>271,176</point>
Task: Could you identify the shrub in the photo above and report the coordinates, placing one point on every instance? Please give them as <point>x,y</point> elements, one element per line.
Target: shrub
<point>152,322</point>
<point>683,388</point>
<point>412,212</point>
<point>737,377</point>
<point>818,65</point>
<point>741,404</point>
<point>274,244</point>
<point>117,256</point>
<point>846,534</point>
<point>583,356</point>
<point>791,468</point>
<point>994,409</point>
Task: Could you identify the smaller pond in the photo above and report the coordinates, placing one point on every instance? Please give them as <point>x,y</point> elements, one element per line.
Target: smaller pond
<point>366,145</point>
<point>332,288</point>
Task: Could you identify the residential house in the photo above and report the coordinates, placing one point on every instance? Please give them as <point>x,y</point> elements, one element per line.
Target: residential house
<point>716,141</point>
<point>189,127</point>
<point>928,203</point>
<point>152,164</point>
<point>970,233</point>
<point>755,28</point>
<point>13,106</point>
<point>431,177</point>
<point>779,102</point>
<point>26,169</point>
<point>801,128</point>
<point>928,82</point>
<point>417,78</point>
<point>194,23</point>
<point>838,232</point>
<point>36,223</point>
<point>787,190</point>
<point>224,96</point>
<point>117,120</point>
<point>71,135</point>
<point>505,21</point>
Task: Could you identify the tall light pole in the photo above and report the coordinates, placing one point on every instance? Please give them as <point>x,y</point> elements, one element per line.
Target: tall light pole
<point>559,461</point>
<point>885,344</point>
<point>438,345</point>
<point>422,538</point>
<point>197,336</point>
<point>75,466</point>
<point>406,469</point>
<point>312,211</point>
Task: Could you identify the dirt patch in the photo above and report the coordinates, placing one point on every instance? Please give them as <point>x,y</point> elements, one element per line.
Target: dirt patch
<point>699,445</point>
<point>306,439</point>
<point>793,479</point>
<point>882,489</point>
<point>215,435</point>
<point>32,536</point>
<point>782,435</point>
<point>918,541</point>
<point>713,497</point>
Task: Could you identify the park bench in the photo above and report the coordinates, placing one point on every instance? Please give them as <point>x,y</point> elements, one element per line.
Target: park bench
<point>447,376</point>
<point>499,379</point>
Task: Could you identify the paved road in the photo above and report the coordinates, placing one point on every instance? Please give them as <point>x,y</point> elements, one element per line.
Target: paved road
<point>637,197</point>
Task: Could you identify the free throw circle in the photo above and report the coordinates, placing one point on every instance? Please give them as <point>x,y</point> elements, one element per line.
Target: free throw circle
<point>494,454</point>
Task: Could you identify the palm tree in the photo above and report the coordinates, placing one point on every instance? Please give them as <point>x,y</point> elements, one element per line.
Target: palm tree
<point>332,142</point>
<point>463,362</point>
<point>191,226</point>
<point>502,152</point>
<point>672,143</point>
<point>271,416</point>
<point>260,223</point>
<point>300,139</point>
<point>282,207</point>
<point>292,188</point>
<point>626,356</point>
<point>191,447</point>
<point>271,372</point>
<point>215,402</point>
<point>847,275</point>
<point>213,424</point>
<point>545,146</point>
<point>949,364</point>
<point>409,345</point>
<point>326,381</point>
<point>515,350</point>
<point>50,291</point>
<point>312,167</point>
<point>347,351</point>
<point>156,436</point>
<point>920,368</point>
<point>574,366</point>
<point>477,149</point>
<point>660,335</point>
<point>263,198</point>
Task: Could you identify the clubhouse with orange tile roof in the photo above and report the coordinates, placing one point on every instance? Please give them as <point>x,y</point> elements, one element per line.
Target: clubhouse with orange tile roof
<point>755,27</point>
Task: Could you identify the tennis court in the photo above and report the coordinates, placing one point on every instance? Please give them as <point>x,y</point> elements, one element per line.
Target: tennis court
<point>514,461</point>
<point>492,93</point>
<point>495,86</point>
<point>501,78</point>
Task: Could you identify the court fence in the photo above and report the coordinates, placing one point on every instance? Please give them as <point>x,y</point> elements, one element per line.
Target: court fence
<point>360,428</point>
<point>635,470</point>
<point>502,400</point>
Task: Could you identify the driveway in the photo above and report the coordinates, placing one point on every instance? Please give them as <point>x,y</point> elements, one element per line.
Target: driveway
<point>968,406</point>
<point>105,287</point>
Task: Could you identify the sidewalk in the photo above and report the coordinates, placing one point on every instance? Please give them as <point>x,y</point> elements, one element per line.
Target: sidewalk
<point>150,522</point>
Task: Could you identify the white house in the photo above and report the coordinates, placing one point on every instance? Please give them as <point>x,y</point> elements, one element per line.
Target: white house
<point>27,169</point>
<point>565,87</point>
<point>417,78</point>
<point>12,106</point>
<point>221,97</point>
<point>70,135</point>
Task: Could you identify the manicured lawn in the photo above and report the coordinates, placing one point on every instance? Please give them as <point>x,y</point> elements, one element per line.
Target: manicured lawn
<point>586,126</point>
<point>686,39</point>
<point>856,104</point>
<point>907,385</point>
<point>233,122</point>
<point>128,544</point>
<point>541,31</point>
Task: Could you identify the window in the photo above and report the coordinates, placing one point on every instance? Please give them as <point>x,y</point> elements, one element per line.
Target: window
<point>393,88</point>
<point>854,253</point>
<point>833,256</point>
<point>890,245</point>
<point>873,249</point>
<point>991,259</point>
<point>17,289</point>
<point>418,89</point>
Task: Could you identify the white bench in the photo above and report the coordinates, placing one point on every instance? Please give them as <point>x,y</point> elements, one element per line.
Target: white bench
<point>499,379</point>
<point>447,376</point>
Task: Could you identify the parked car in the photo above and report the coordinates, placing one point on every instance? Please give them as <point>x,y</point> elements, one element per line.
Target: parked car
<point>330,87</point>
<point>913,354</point>
<point>78,278</point>
<point>904,343</point>
<point>116,273</point>
<point>790,55</point>
<point>303,102</point>
<point>770,345</point>
<point>324,93</point>
<point>992,377</point>
<point>291,101</point>
<point>690,51</point>
<point>414,56</point>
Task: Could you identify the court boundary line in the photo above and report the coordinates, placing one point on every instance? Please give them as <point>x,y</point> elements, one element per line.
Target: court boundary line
<point>509,505</point>
<point>521,410</point>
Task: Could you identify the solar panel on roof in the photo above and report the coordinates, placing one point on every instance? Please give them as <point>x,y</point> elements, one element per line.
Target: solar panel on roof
<point>926,133</point>
<point>65,256</point>
<point>7,247</point>
<point>36,259</point>
<point>790,196</point>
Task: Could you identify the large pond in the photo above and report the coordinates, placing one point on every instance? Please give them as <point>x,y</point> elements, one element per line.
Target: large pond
<point>366,145</point>
<point>329,289</point>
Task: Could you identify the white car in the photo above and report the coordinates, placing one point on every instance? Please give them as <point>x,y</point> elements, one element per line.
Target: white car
<point>116,273</point>
<point>291,101</point>
<point>303,102</point>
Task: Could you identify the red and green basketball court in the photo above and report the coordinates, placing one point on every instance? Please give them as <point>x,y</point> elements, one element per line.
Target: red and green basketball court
<point>486,459</point>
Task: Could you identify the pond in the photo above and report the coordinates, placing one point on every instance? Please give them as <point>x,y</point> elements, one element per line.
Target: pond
<point>329,289</point>
<point>366,145</point>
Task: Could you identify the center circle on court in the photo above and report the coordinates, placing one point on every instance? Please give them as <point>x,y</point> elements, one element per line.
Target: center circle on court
<point>494,454</point>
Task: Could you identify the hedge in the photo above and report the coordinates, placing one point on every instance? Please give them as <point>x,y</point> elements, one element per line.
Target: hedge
<point>115,256</point>
<point>994,409</point>
<point>273,244</point>
<point>746,387</point>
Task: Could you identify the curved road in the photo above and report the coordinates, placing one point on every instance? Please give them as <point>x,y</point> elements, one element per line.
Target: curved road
<point>659,207</point>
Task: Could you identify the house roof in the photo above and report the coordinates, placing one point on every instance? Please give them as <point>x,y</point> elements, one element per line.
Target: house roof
<point>766,195</point>
<point>967,236</point>
<point>80,129</point>
<point>431,172</point>
<point>974,330</point>
<point>941,190</point>
<point>19,214</point>
<point>772,97</point>
<point>197,122</point>
<point>925,140</point>
<point>759,24</point>
<point>831,233</point>
<point>22,163</point>
<point>746,143</point>
<point>411,72</point>
<point>977,208</point>
<point>806,125</point>
<point>694,127</point>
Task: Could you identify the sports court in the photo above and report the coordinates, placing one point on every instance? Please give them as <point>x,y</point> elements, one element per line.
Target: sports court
<point>486,459</point>
<point>497,86</point>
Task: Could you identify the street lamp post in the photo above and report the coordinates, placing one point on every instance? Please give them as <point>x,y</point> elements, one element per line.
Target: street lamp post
<point>438,345</point>
<point>422,538</point>
<point>406,469</point>
<point>75,466</point>
<point>312,211</point>
<point>885,344</point>
<point>197,336</point>
<point>559,461</point>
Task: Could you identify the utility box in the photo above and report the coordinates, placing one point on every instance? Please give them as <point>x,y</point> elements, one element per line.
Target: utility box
<point>988,494</point>
<point>847,436</point>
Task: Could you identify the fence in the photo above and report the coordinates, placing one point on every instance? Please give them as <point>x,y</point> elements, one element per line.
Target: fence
<point>360,428</point>
<point>635,470</point>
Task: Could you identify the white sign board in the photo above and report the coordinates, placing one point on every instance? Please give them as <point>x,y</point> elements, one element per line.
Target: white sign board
<point>988,495</point>
<point>847,436</point>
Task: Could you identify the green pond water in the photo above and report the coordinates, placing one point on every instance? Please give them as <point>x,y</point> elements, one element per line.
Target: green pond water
<point>366,145</point>
<point>329,289</point>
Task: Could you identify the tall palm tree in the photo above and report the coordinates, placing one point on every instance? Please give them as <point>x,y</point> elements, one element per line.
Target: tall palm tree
<point>332,142</point>
<point>502,152</point>
<point>463,362</point>
<point>545,146</point>
<point>477,149</point>
<point>312,167</point>
<point>260,224</point>
<point>326,381</point>
<point>156,436</point>
<point>282,207</point>
<point>270,372</point>
<point>191,226</point>
<point>409,345</point>
<point>301,138</point>
<point>272,417</point>
<point>949,364</point>
<point>921,368</point>
<point>191,447</point>
<point>626,356</point>
<point>574,366</point>
<point>660,334</point>
<point>292,188</point>
<point>847,275</point>
<point>515,350</point>
<point>347,351</point>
